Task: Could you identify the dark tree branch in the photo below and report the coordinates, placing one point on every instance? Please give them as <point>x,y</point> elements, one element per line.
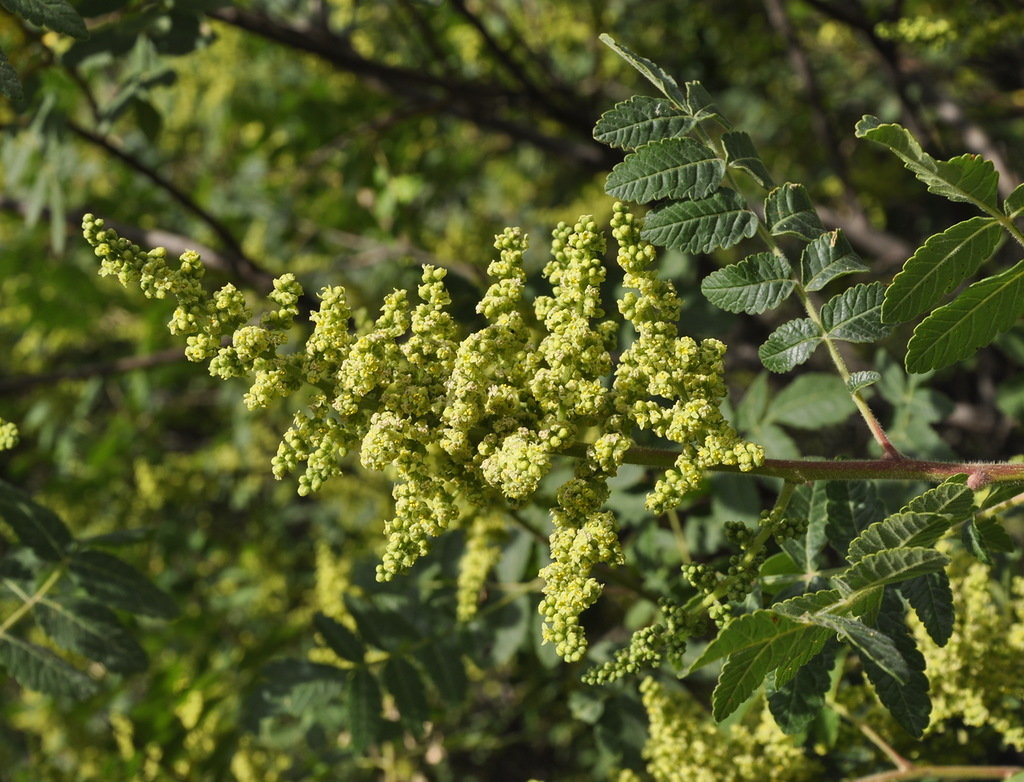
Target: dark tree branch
<point>482,103</point>
<point>17,385</point>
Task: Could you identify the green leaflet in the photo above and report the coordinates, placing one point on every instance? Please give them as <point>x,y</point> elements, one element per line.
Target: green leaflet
<point>808,503</point>
<point>790,345</point>
<point>899,529</point>
<point>740,153</point>
<point>827,257</point>
<point>41,670</point>
<point>118,584</point>
<point>855,315</point>
<point>756,644</point>
<point>10,84</point>
<point>972,320</point>
<point>788,210</point>
<point>965,178</point>
<point>343,642</point>
<point>796,703</point>
<point>671,168</point>
<point>641,120</point>
<point>701,226</point>
<point>985,538</point>
<point>665,83</point>
<point>951,498</point>
<point>931,597</point>
<point>871,643</point>
<point>364,705</point>
<point>889,567</point>
<point>58,15</point>
<point>944,261</point>
<point>1014,204</point>
<point>92,630</point>
<point>403,681</point>
<point>811,401</point>
<point>36,526</point>
<point>861,380</point>
<point>442,662</point>
<point>851,507</point>
<point>757,283</point>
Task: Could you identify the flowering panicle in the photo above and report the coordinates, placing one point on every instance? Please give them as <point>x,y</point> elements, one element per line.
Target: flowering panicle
<point>461,421</point>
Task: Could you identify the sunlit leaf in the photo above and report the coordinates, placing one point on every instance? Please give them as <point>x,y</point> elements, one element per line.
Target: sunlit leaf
<point>741,154</point>
<point>939,266</point>
<point>675,168</point>
<point>719,221</point>
<point>861,380</point>
<point>755,284</point>
<point>641,120</point>
<point>972,320</point>
<point>790,345</point>
<point>890,567</point>
<point>653,73</point>
<point>826,258</point>
<point>855,315</point>
<point>899,529</point>
<point>788,210</point>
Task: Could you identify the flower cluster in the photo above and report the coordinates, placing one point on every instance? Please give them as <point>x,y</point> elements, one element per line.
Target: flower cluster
<point>685,744</point>
<point>8,435</point>
<point>462,422</point>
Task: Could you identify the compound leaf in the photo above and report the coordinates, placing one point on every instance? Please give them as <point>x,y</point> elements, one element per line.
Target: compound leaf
<point>942,263</point>
<point>827,257</point>
<point>757,283</point>
<point>855,315</point>
<point>36,526</point>
<point>965,178</point>
<point>641,120</point>
<point>740,153</point>
<point>788,210</point>
<point>92,630</point>
<point>676,168</point>
<point>41,670</point>
<point>932,599</point>
<point>117,584</point>
<point>972,320</point>
<point>790,345</point>
<point>700,226</point>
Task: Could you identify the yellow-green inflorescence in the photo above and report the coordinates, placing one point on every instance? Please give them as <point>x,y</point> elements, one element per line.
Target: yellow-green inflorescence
<point>463,421</point>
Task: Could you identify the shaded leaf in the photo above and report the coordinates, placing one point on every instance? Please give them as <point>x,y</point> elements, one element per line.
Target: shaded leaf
<point>641,120</point>
<point>852,506</point>
<point>985,538</point>
<point>442,662</point>
<point>855,315</point>
<point>10,84</point>
<point>932,599</point>
<point>808,503</point>
<point>811,401</point>
<point>675,168</point>
<point>405,684</point>
<point>343,642</point>
<point>387,630</point>
<point>795,704</point>
<point>700,104</point>
<point>939,266</point>
<point>788,210</point>
<point>861,380</point>
<point>891,566</point>
<point>964,178</point>
<point>36,526</point>
<point>92,630</point>
<point>972,320</point>
<point>790,345</point>
<point>740,153</point>
<point>826,258</point>
<point>870,642</point>
<point>364,705</point>
<point>57,15</point>
<point>755,284</point>
<point>1014,204</point>
<point>718,221</point>
<point>41,670</point>
<point>117,584</point>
